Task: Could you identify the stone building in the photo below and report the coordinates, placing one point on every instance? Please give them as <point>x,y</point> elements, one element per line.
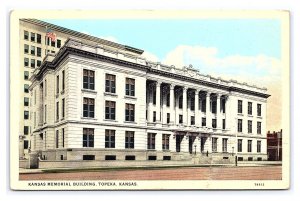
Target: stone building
<point>95,102</point>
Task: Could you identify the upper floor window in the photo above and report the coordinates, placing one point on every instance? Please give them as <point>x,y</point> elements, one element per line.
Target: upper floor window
<point>53,43</point>
<point>58,43</point>
<point>192,103</point>
<point>203,105</point>
<point>240,145</point>
<point>57,84</point>
<point>26,62</point>
<point>26,115</point>
<point>88,107</point>
<point>130,87</point>
<point>258,146</point>
<point>258,127</point>
<point>110,110</point>
<point>223,123</point>
<point>180,119</point>
<point>109,138</point>
<point>38,63</point>
<point>151,141</point>
<point>38,51</point>
<point>26,101</point>
<point>214,123</point>
<point>129,112</point>
<point>203,121</point>
<point>168,100</point>
<point>180,102</point>
<point>32,50</point>
<point>240,106</point>
<point>110,83</point>
<point>240,125</point>
<point>26,88</point>
<point>249,145</point>
<point>192,120</point>
<point>249,126</point>
<point>214,144</point>
<point>26,35</point>
<point>88,137</point>
<point>223,105</point>
<point>26,75</point>
<point>38,38</point>
<point>224,144</point>
<point>259,110</point>
<point>32,63</point>
<point>88,79</point>
<point>214,107</point>
<point>26,49</point>
<point>63,108</point>
<point>250,108</point>
<point>63,80</point>
<point>26,130</point>
<point>129,140</point>
<point>165,141</point>
<point>32,37</point>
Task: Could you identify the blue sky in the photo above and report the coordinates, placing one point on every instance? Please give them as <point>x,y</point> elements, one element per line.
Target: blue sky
<point>248,37</point>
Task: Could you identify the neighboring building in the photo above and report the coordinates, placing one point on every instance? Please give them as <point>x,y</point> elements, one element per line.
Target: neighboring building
<point>274,145</point>
<point>33,47</point>
<point>97,103</point>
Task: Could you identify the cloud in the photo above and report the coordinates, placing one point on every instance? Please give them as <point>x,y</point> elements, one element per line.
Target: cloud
<point>260,70</point>
<point>149,56</point>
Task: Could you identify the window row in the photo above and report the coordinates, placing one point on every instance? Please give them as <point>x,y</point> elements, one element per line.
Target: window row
<point>33,63</point>
<point>240,126</point>
<point>34,37</point>
<point>53,43</point>
<point>214,145</point>
<point>33,50</point>
<point>240,108</point>
<point>63,82</point>
<point>110,83</point>
<point>57,110</point>
<point>249,146</point>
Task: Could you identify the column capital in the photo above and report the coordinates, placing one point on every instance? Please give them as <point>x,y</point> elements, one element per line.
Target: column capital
<point>158,83</point>
<point>208,93</point>
<point>219,95</point>
<point>184,88</point>
<point>172,86</point>
<point>197,91</point>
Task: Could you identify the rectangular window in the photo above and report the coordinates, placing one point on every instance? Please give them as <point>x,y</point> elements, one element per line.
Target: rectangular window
<point>154,116</point>
<point>249,126</point>
<point>258,146</point>
<point>214,123</point>
<point>240,125</point>
<point>130,87</point>
<point>203,121</point>
<point>165,141</point>
<point>57,139</point>
<point>110,110</point>
<point>57,111</point>
<point>129,140</point>
<point>214,107</point>
<point>258,127</point>
<point>240,145</point>
<point>26,35</point>
<point>45,88</point>
<point>26,88</point>
<point>192,103</point>
<point>168,100</point>
<point>168,118</point>
<point>249,108</point>
<point>129,112</point>
<point>26,49</point>
<point>180,102</point>
<point>249,145</point>
<point>26,101</point>
<point>26,75</point>
<point>223,105</point>
<point>88,79</point>
<point>63,108</point>
<point>88,137</point>
<point>223,124</point>
<point>26,62</point>
<point>26,130</point>
<point>203,105</point>
<point>88,157</point>
<point>224,144</point>
<point>38,38</point>
<point>63,80</point>
<point>259,110</point>
<point>32,63</point>
<point>214,144</point>
<point>25,144</point>
<point>110,157</point>
<point>58,45</point>
<point>109,138</point>
<point>240,106</point>
<point>89,107</point>
<point>38,63</point>
<point>180,118</point>
<point>32,37</point>
<point>45,117</point>
<point>53,43</point>
<point>38,52</point>
<point>110,83</point>
<point>192,120</point>
<point>32,50</point>
<point>151,141</point>
<point>57,84</point>
<point>129,157</point>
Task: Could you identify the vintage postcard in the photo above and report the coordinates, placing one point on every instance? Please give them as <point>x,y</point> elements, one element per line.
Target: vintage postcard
<point>136,100</point>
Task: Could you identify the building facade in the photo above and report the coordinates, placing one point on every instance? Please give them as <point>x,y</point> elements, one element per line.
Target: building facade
<point>274,146</point>
<point>33,48</point>
<point>93,102</point>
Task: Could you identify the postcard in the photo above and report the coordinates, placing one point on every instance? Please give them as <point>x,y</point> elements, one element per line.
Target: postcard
<point>149,100</point>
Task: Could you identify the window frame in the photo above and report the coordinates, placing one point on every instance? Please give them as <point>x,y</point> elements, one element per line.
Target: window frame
<point>129,139</point>
<point>129,112</point>
<point>88,107</point>
<point>110,83</point>
<point>110,138</point>
<point>151,141</point>
<point>110,110</point>
<point>88,81</point>
<point>165,141</point>
<point>88,139</point>
<point>130,87</point>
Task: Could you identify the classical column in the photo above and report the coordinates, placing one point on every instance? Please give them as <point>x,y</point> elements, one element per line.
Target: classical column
<point>158,109</point>
<point>197,118</point>
<point>184,105</point>
<point>219,117</point>
<point>150,104</point>
<point>227,112</point>
<point>208,113</point>
<point>172,109</point>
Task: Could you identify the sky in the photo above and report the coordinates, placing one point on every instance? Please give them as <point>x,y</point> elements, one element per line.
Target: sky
<point>247,50</point>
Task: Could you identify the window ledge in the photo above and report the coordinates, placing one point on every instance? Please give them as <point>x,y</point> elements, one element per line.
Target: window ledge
<point>111,120</point>
<point>240,114</point>
<point>110,94</point>
<point>89,91</point>
<point>130,122</point>
<point>260,117</point>
<point>130,97</point>
<point>250,115</point>
<point>89,118</point>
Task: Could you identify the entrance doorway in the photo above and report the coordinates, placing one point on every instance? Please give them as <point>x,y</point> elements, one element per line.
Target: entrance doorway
<point>178,142</point>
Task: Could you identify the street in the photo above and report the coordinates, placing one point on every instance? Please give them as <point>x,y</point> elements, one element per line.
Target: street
<point>178,173</point>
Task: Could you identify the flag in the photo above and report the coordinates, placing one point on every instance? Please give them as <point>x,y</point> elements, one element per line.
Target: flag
<point>50,34</point>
